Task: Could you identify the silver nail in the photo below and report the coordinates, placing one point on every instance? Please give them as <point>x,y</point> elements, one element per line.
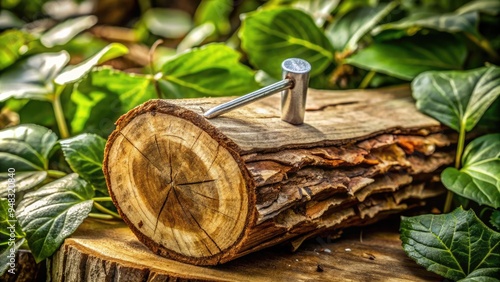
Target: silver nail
<point>293,95</point>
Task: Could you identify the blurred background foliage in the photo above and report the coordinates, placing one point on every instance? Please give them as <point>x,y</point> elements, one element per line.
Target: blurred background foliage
<point>202,48</point>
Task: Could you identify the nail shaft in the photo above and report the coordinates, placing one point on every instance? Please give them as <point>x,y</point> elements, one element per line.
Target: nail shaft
<point>249,98</point>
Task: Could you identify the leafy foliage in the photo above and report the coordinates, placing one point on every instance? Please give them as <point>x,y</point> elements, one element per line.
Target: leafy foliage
<point>404,59</point>
<point>346,32</point>
<point>204,72</point>
<point>10,46</point>
<point>8,244</point>
<point>284,33</point>
<point>495,219</point>
<point>51,209</point>
<point>452,23</point>
<point>215,12</point>
<point>26,148</point>
<point>167,22</point>
<point>456,245</point>
<point>84,153</point>
<point>77,72</point>
<point>104,95</point>
<point>32,78</point>
<point>457,99</point>
<point>64,32</point>
<point>53,212</point>
<point>479,177</point>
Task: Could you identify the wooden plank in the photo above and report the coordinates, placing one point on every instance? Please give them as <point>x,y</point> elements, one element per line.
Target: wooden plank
<point>104,252</point>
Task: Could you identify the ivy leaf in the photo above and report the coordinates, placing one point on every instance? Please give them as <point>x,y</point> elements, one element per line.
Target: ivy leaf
<point>490,121</point>
<point>479,177</point>
<point>25,180</point>
<point>457,245</point>
<point>168,23</point>
<point>451,22</point>
<point>4,256</point>
<point>320,10</point>
<point>11,42</point>
<point>84,154</point>
<point>8,226</point>
<point>405,58</point>
<point>215,12</point>
<point>457,98</point>
<point>26,147</point>
<point>10,20</point>
<point>490,7</point>
<point>271,36</point>
<point>65,31</point>
<point>76,72</point>
<point>495,219</point>
<point>345,32</point>
<point>53,212</point>
<point>32,78</point>
<point>212,70</point>
<point>104,95</point>
<point>195,37</point>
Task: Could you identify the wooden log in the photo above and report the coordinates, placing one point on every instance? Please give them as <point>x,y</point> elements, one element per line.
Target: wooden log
<point>209,191</point>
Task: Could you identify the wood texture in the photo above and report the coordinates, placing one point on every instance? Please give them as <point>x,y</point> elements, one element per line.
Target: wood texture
<point>110,252</point>
<point>209,191</point>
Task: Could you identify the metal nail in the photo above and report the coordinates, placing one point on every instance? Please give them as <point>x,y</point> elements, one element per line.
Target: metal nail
<point>293,89</point>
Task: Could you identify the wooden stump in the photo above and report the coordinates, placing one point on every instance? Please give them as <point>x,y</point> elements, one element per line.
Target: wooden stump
<point>110,252</point>
<point>209,191</point>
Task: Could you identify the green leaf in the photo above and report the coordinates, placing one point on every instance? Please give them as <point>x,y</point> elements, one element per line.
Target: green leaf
<point>456,245</point>
<point>26,147</point>
<point>84,154</point>
<point>212,70</point>
<point>25,180</point>
<point>5,264</point>
<point>271,36</point>
<point>495,219</point>
<point>11,43</point>
<point>490,7</point>
<point>76,72</point>
<point>11,235</point>
<point>479,177</point>
<point>104,95</point>
<point>450,22</point>
<point>320,10</point>
<point>407,57</point>
<point>53,212</point>
<point>195,37</point>
<point>65,31</point>
<point>8,223</point>
<point>168,23</point>
<point>346,31</point>
<point>215,12</point>
<point>490,121</point>
<point>457,98</point>
<point>32,78</point>
<point>9,20</point>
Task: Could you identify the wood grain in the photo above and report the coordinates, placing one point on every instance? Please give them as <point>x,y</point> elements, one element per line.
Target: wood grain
<point>103,252</point>
<point>332,118</point>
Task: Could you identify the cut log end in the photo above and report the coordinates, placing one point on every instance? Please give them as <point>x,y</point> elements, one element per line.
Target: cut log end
<point>181,190</point>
